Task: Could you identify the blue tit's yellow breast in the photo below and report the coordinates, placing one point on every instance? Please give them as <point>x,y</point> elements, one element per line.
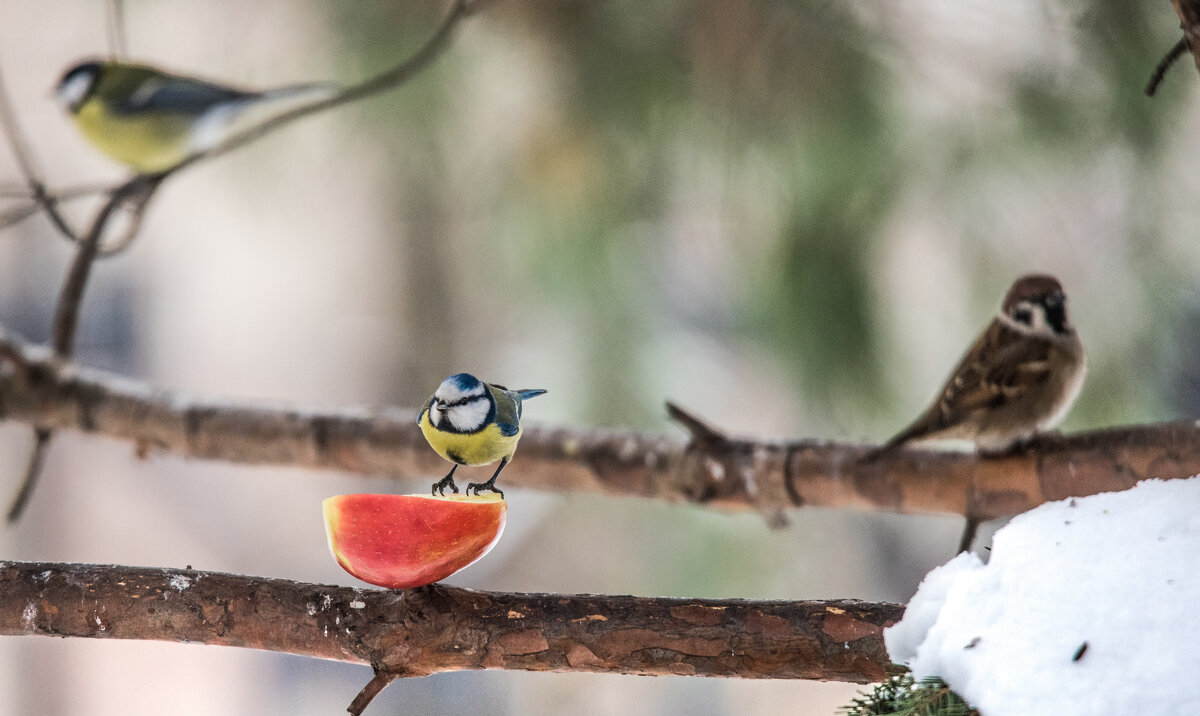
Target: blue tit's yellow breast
<point>480,448</point>
<point>149,142</point>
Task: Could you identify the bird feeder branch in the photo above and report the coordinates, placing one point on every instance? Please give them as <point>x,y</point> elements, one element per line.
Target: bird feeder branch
<point>46,392</point>
<point>416,632</point>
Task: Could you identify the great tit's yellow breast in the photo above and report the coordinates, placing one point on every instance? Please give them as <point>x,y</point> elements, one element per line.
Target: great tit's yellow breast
<point>479,448</point>
<point>149,142</point>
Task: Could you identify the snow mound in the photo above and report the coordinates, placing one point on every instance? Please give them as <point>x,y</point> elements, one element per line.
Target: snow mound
<point>1088,606</point>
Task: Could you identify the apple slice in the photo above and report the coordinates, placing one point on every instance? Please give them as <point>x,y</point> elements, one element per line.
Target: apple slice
<point>401,541</point>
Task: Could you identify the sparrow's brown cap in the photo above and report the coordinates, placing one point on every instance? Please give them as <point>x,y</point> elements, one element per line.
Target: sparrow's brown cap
<point>1035,288</point>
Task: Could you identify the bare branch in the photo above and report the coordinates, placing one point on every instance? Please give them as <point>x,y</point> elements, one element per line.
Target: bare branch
<point>387,80</point>
<point>1163,65</point>
<point>1189,22</point>
<point>401,73</point>
<point>416,632</point>
<point>135,194</point>
<point>117,45</point>
<point>735,473</point>
<point>37,188</point>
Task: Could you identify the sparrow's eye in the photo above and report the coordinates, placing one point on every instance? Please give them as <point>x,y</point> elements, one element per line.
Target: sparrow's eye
<point>1024,315</point>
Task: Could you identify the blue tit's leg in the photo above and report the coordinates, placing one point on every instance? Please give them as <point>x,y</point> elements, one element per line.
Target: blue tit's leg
<point>439,487</point>
<point>490,485</point>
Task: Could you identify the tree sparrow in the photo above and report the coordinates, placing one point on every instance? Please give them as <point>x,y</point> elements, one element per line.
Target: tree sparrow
<point>1019,378</point>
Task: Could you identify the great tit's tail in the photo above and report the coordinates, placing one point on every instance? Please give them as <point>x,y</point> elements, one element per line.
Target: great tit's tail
<point>530,393</point>
<point>310,92</point>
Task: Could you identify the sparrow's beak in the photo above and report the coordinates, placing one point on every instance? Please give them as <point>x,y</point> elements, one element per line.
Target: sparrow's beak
<point>1056,312</point>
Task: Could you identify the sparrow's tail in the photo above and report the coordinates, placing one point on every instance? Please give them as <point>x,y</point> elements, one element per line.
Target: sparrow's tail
<point>528,393</point>
<point>899,439</point>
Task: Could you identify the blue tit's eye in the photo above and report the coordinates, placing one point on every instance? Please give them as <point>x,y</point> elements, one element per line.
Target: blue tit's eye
<point>1024,315</point>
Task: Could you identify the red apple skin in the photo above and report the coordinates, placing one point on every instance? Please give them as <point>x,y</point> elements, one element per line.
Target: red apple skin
<point>402,541</point>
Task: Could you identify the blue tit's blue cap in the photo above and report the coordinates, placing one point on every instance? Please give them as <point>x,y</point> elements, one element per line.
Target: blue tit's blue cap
<point>464,381</point>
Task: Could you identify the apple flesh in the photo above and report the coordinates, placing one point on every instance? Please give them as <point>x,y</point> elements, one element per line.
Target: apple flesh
<point>401,541</point>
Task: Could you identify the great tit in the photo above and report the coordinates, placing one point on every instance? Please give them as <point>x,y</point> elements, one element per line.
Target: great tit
<point>470,422</point>
<point>151,120</point>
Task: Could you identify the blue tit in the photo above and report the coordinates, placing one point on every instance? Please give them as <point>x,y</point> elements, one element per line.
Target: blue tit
<point>151,120</point>
<point>470,422</point>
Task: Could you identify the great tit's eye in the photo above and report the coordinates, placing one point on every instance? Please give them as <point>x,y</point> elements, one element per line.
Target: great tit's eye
<point>1024,315</point>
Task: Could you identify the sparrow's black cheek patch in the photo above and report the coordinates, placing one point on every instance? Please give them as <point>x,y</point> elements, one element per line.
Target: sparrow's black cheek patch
<point>1024,316</point>
<point>1056,316</point>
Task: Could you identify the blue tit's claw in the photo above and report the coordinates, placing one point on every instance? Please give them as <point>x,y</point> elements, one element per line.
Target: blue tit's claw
<point>480,486</point>
<point>439,487</point>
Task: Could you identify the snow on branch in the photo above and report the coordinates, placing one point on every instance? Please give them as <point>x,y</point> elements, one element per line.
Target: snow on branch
<point>416,632</point>
<point>50,393</point>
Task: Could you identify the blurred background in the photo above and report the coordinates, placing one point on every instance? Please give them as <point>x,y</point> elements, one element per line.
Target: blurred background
<point>789,216</point>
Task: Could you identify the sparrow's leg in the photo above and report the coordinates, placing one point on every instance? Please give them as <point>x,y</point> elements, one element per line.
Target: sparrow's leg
<point>439,487</point>
<point>490,485</point>
<point>968,535</point>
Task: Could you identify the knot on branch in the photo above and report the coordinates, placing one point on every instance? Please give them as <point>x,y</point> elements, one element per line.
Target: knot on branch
<point>722,467</point>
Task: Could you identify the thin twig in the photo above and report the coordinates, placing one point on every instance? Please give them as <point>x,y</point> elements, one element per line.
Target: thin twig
<point>117,46</point>
<point>138,191</point>
<point>373,688</point>
<point>1165,64</point>
<point>33,470</point>
<point>135,194</point>
<point>25,162</point>
<point>384,81</point>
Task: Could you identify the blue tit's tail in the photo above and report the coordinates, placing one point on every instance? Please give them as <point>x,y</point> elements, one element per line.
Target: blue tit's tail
<point>530,393</point>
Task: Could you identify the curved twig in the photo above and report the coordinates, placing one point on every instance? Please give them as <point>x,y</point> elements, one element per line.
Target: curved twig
<point>1165,64</point>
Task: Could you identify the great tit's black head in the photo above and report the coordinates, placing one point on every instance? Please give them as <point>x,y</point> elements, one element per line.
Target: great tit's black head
<point>1036,304</point>
<point>461,403</point>
<point>77,84</point>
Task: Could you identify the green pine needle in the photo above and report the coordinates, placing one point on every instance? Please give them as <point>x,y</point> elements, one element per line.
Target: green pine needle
<point>901,696</point>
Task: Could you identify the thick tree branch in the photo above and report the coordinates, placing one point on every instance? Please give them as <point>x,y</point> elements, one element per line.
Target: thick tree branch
<point>46,392</point>
<point>416,632</point>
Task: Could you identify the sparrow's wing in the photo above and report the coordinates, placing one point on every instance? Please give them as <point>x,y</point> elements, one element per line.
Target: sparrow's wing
<point>999,367</point>
<point>1005,368</point>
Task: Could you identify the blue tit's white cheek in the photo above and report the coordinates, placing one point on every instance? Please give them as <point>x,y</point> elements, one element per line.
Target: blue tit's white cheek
<point>469,416</point>
<point>72,92</point>
<point>449,392</point>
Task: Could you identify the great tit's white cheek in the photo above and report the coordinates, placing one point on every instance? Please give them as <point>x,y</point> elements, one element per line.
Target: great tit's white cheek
<point>72,92</point>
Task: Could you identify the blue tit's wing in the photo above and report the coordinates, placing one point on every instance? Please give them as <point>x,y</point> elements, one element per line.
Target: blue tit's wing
<point>167,93</point>
<point>424,409</point>
<point>508,410</point>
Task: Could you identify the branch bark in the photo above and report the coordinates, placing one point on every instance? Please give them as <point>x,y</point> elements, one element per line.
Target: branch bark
<point>416,632</point>
<point>46,392</point>
<point>1189,22</point>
